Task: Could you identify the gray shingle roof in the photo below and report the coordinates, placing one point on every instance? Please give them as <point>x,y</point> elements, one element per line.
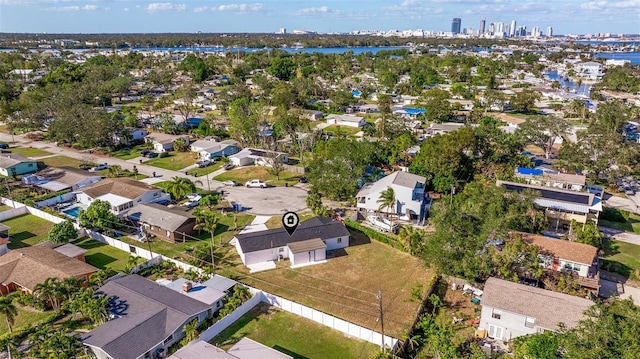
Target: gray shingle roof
<point>154,214</point>
<point>403,179</point>
<point>548,308</point>
<point>220,283</point>
<point>316,227</point>
<point>146,313</point>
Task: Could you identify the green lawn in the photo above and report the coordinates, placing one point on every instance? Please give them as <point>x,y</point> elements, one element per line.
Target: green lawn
<point>298,337</point>
<point>30,152</point>
<point>27,230</point>
<point>631,225</point>
<point>57,161</point>
<point>224,232</point>
<point>622,258</point>
<point>175,161</point>
<point>203,171</point>
<point>342,129</point>
<point>102,255</point>
<point>128,154</point>
<point>26,317</point>
<point>244,174</point>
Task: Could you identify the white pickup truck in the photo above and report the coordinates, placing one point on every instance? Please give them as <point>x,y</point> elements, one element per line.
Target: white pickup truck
<point>256,184</point>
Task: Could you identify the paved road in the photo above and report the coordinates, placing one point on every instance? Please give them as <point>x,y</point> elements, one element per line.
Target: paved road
<point>267,201</point>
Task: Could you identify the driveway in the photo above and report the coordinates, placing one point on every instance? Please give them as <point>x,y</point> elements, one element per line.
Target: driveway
<point>268,201</point>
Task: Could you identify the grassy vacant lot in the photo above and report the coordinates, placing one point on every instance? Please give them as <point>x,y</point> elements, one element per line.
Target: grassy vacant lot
<point>244,174</point>
<point>622,258</point>
<point>285,332</point>
<point>26,317</point>
<point>347,284</point>
<point>57,161</point>
<point>29,152</point>
<point>342,129</point>
<point>175,161</point>
<point>102,255</point>
<point>128,154</point>
<point>27,230</point>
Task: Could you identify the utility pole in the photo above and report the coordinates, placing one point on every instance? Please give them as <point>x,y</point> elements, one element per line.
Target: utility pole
<point>379,296</point>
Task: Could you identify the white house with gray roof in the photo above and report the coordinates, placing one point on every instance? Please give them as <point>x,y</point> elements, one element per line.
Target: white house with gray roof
<point>308,244</point>
<point>346,120</point>
<point>412,202</point>
<point>145,319</point>
<point>510,310</point>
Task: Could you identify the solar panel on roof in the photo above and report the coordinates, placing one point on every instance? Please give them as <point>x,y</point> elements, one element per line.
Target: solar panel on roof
<point>553,195</point>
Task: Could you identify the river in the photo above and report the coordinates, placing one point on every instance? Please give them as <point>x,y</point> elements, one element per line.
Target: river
<point>583,89</point>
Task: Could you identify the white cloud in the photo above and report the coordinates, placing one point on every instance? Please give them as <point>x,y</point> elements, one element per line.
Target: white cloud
<point>628,4</point>
<point>593,5</point>
<point>73,8</point>
<point>321,10</point>
<point>165,6</point>
<point>126,9</point>
<point>90,7</point>
<point>201,9</point>
<point>406,5</point>
<point>239,8</point>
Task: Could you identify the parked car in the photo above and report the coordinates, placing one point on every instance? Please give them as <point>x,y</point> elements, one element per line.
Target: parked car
<point>144,153</point>
<point>230,183</point>
<point>304,179</point>
<point>629,191</point>
<point>4,146</point>
<point>99,167</point>
<point>255,183</point>
<point>204,163</point>
<point>192,204</point>
<point>228,166</point>
<point>194,196</point>
<point>152,155</point>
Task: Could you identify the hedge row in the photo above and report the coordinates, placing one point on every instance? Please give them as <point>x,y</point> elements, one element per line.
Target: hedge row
<point>372,233</point>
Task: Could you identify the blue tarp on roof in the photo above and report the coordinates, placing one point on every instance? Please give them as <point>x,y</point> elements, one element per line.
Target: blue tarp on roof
<point>414,111</point>
<point>529,171</point>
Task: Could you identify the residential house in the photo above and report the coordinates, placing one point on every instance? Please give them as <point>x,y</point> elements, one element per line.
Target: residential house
<point>210,148</point>
<point>346,120</point>
<point>412,202</point>
<point>121,193</point>
<point>408,112</point>
<point>221,283</point>
<point>169,224</point>
<point>199,291</point>
<point>511,310</point>
<point>512,122</point>
<point>307,245</point>
<point>245,348</point>
<point>4,239</point>
<point>562,206</point>
<point>70,250</point>
<point>550,178</point>
<point>130,134</point>
<point>566,256</point>
<point>311,115</point>
<point>591,70</point>
<point>56,179</point>
<point>163,142</point>
<point>258,157</point>
<point>15,164</point>
<point>146,319</point>
<point>443,128</point>
<point>466,105</point>
<point>24,268</point>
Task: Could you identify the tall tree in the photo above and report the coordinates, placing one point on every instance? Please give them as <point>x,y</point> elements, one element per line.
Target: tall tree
<point>62,232</point>
<point>99,216</point>
<point>543,131</point>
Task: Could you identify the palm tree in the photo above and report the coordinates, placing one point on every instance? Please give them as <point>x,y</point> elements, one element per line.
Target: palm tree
<point>49,290</point>
<point>9,310</point>
<point>69,285</point>
<point>190,330</point>
<point>207,220</point>
<point>178,187</point>
<point>387,200</point>
<point>210,200</point>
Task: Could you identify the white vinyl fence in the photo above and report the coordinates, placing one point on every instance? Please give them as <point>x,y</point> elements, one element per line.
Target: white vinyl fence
<point>317,316</point>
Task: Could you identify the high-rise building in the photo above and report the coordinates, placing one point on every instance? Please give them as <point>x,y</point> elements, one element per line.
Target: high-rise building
<point>456,25</point>
<point>549,31</point>
<point>535,32</point>
<point>482,24</point>
<point>512,31</point>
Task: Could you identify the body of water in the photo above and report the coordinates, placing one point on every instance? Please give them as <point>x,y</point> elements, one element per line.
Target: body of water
<point>583,89</point>
<point>73,212</point>
<point>310,50</point>
<point>634,57</point>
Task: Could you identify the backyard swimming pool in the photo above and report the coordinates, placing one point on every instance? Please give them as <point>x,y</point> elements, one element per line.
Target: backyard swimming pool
<point>73,212</point>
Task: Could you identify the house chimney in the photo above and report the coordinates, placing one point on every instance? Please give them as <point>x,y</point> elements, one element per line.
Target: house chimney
<point>186,287</point>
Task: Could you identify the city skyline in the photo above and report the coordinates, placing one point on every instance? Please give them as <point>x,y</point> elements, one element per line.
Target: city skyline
<point>115,16</point>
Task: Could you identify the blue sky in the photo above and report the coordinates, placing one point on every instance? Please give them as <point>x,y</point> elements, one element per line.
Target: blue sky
<point>93,16</point>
